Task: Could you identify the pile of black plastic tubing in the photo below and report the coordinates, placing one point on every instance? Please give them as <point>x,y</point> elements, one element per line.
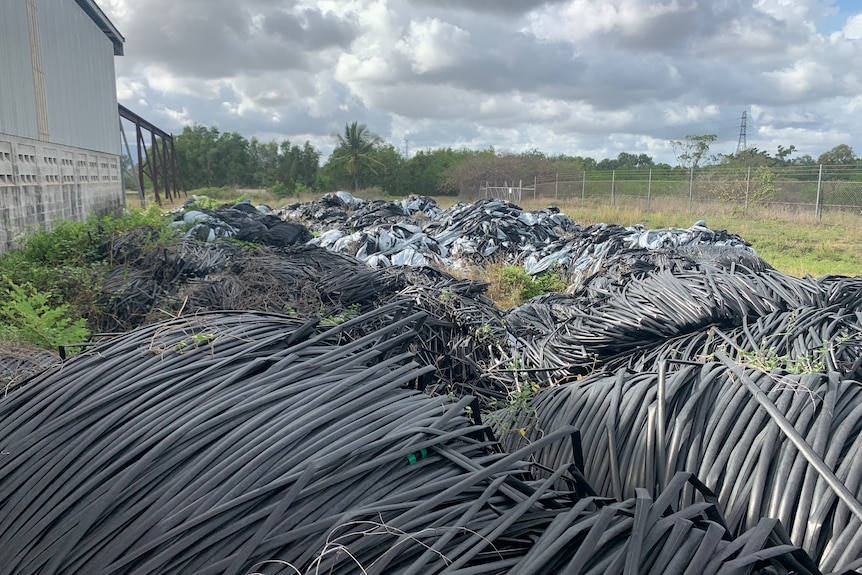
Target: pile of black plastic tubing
<point>252,443</point>
<point>17,363</point>
<point>582,335</point>
<point>812,339</point>
<point>715,421</point>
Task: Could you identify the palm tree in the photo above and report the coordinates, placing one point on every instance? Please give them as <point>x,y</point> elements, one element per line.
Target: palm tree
<point>355,150</point>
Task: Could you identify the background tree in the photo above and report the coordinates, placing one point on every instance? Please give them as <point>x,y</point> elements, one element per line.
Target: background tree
<point>385,170</point>
<point>355,151</point>
<point>842,154</point>
<point>691,152</point>
<point>426,172</point>
<point>210,159</point>
<point>839,162</point>
<point>626,161</point>
<point>193,148</point>
<point>783,155</point>
<point>263,160</point>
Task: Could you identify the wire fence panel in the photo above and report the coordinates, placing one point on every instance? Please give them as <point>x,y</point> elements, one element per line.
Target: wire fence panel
<point>801,188</point>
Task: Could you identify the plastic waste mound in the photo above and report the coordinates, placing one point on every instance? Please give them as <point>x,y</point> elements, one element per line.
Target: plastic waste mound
<point>241,221</point>
<point>415,231</point>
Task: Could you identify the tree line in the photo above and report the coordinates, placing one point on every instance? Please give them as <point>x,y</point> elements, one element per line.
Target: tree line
<point>363,160</point>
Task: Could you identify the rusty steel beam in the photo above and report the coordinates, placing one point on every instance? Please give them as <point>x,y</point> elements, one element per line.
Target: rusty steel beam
<point>156,159</point>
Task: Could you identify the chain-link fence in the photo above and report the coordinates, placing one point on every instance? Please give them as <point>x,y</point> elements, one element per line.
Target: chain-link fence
<point>800,188</point>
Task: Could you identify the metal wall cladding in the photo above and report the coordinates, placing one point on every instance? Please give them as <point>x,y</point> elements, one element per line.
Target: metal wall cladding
<point>78,61</point>
<point>17,96</point>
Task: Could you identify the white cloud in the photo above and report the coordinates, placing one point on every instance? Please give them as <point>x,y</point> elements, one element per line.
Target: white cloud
<point>801,79</point>
<point>580,77</point>
<point>691,114</point>
<point>128,89</point>
<point>166,82</point>
<point>181,116</point>
<point>853,28</point>
<point>432,45</point>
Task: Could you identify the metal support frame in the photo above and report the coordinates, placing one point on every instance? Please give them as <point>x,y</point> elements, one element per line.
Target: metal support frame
<point>156,160</point>
<point>128,152</point>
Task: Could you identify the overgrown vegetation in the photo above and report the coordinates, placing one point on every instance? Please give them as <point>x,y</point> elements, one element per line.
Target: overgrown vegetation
<point>27,317</point>
<point>511,285</point>
<point>339,318</point>
<point>49,286</point>
<point>767,359</point>
<point>515,412</point>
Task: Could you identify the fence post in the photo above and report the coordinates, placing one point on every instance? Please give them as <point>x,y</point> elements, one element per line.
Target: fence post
<point>584,186</point>
<point>818,210</point>
<point>747,188</point>
<point>613,182</point>
<point>556,186</point>
<point>690,187</point>
<point>520,190</point>
<point>535,185</point>
<point>649,189</point>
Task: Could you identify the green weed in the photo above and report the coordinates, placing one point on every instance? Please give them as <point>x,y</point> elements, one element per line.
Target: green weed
<point>339,318</point>
<point>27,316</point>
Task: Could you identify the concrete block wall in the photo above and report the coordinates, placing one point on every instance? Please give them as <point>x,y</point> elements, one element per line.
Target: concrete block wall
<point>42,183</point>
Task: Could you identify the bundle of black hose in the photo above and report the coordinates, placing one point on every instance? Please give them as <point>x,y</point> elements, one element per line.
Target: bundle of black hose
<point>20,362</point>
<point>232,442</point>
<point>582,335</point>
<point>714,428</point>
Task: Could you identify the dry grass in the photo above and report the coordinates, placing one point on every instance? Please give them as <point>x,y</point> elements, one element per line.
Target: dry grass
<point>258,196</point>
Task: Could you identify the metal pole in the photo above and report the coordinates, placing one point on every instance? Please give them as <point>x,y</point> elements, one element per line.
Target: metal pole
<point>557,185</point>
<point>165,170</point>
<point>747,187</point>
<point>649,189</point>
<point>818,212</point>
<point>613,181</point>
<point>138,183</point>
<point>154,166</point>
<point>142,151</point>
<point>175,167</point>
<point>584,186</point>
<point>535,185</point>
<point>690,188</point>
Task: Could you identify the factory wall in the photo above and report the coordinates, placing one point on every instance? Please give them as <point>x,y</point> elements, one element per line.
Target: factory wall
<point>80,84</point>
<point>43,183</point>
<point>17,94</point>
<point>59,124</point>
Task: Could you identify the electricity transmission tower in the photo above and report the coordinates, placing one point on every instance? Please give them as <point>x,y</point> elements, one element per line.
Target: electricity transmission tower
<point>743,124</point>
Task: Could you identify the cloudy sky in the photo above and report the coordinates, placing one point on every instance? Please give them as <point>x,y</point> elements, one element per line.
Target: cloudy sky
<point>579,77</point>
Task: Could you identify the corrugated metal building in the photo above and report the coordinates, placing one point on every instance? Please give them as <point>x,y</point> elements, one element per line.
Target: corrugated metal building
<point>59,127</point>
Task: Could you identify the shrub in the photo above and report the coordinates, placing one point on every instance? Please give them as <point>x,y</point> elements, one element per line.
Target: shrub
<point>516,279</point>
<point>28,317</point>
<point>279,190</point>
<point>63,268</point>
